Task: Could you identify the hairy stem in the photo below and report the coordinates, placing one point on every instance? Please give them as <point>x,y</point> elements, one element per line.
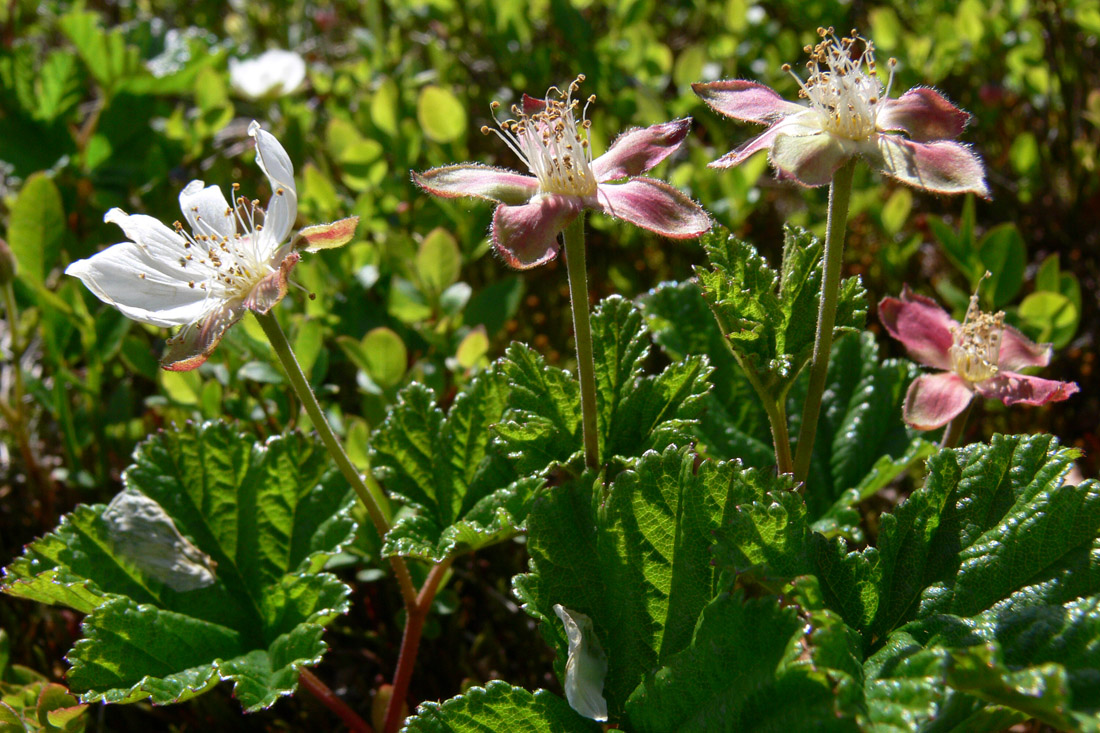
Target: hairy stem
<point>366,488</point>
<point>582,330</point>
<point>955,428</point>
<point>328,698</point>
<point>410,643</point>
<point>839,192</point>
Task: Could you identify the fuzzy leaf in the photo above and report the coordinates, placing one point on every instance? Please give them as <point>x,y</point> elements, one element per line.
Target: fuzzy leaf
<point>499,707</point>
<point>635,412</point>
<point>733,423</point>
<point>266,517</point>
<point>770,318</point>
<point>635,561</point>
<point>465,493</point>
<point>740,673</point>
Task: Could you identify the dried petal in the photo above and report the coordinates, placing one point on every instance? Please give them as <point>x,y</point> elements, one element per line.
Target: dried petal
<point>636,151</point>
<point>654,205</point>
<point>480,181</point>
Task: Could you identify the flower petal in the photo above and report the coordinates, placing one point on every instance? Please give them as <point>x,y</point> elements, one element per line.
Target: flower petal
<point>921,325</point>
<point>481,181</point>
<point>809,159</point>
<point>282,207</point>
<point>934,399</point>
<point>193,345</point>
<point>636,151</point>
<point>526,236</point>
<point>923,114</point>
<point>329,236</point>
<point>746,100</point>
<point>271,289</point>
<point>654,205</point>
<point>206,210</point>
<point>1018,351</point>
<point>163,245</point>
<point>803,123</point>
<point>941,167</point>
<point>130,279</point>
<point>1020,389</point>
<point>532,105</point>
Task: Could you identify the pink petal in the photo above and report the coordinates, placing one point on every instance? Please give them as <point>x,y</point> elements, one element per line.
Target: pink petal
<point>746,100</point>
<point>270,290</point>
<point>1020,389</point>
<point>934,399</point>
<point>921,325</point>
<point>1018,351</point>
<point>941,167</point>
<point>526,236</point>
<point>636,151</point>
<point>329,236</point>
<point>803,123</point>
<point>654,205</point>
<point>810,159</point>
<point>194,343</point>
<point>481,181</point>
<point>923,114</point>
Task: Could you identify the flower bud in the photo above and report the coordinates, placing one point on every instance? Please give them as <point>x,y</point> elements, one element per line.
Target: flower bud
<point>8,267</point>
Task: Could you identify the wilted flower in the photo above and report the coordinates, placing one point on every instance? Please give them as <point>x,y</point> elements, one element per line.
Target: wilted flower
<point>565,180</point>
<point>849,114</point>
<point>272,72</point>
<point>978,356</point>
<point>235,259</point>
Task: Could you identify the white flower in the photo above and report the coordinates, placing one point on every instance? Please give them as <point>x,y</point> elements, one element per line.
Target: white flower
<point>275,71</point>
<point>586,666</point>
<point>236,258</point>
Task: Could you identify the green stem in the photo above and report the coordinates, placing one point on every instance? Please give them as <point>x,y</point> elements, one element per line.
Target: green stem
<point>839,193</point>
<point>368,490</point>
<point>582,329</point>
<point>955,428</point>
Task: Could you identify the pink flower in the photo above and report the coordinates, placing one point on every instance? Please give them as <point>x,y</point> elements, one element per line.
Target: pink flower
<point>849,114</point>
<point>978,356</point>
<point>565,180</point>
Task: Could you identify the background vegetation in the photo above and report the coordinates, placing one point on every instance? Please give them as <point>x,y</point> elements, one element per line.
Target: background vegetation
<point>107,104</point>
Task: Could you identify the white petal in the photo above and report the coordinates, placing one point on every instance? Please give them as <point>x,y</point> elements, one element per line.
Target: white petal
<point>127,277</point>
<point>282,208</point>
<point>207,211</point>
<point>586,667</point>
<point>274,71</point>
<point>164,246</point>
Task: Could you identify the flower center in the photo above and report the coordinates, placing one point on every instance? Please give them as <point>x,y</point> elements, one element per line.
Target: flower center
<point>228,267</point>
<point>546,137</point>
<point>976,350</point>
<point>843,87</point>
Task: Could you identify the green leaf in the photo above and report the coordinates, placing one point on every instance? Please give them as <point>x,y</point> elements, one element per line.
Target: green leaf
<point>381,354</point>
<point>440,114</point>
<point>635,561</point>
<point>733,423</point>
<point>206,568</point>
<point>36,228</point>
<point>108,57</point>
<point>740,673</point>
<point>1004,256</point>
<point>438,261</point>
<point>770,318</point>
<point>635,413</point>
<point>465,493</point>
<point>985,585</point>
<point>1047,316</point>
<point>499,707</point>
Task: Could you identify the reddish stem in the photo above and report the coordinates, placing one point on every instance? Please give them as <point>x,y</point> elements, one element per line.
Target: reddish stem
<point>410,643</point>
<point>328,698</point>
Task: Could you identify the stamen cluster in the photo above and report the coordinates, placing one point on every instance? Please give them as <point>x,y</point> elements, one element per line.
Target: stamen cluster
<point>975,352</point>
<point>843,87</point>
<point>548,139</point>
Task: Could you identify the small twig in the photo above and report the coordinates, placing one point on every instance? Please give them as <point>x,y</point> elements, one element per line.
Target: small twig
<point>328,698</point>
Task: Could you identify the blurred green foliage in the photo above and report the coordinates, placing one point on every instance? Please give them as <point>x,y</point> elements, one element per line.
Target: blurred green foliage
<point>106,104</point>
